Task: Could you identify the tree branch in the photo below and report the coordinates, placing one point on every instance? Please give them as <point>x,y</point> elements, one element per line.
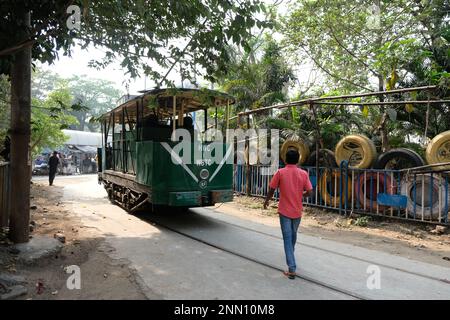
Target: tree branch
<point>376,74</point>
<point>331,74</point>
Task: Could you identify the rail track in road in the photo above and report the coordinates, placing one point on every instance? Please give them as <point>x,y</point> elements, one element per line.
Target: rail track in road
<point>234,252</point>
<point>267,265</point>
<point>447,281</point>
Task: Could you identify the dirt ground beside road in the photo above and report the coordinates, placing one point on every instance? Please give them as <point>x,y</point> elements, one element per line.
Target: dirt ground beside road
<point>400,238</point>
<point>102,277</point>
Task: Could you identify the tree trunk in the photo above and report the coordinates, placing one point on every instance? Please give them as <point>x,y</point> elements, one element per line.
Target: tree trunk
<point>384,117</point>
<point>20,140</point>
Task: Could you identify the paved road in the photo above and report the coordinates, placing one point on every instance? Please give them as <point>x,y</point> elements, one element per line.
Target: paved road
<point>173,266</point>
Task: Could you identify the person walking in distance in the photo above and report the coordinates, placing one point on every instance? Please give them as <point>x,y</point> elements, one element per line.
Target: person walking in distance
<point>53,163</point>
<point>293,184</point>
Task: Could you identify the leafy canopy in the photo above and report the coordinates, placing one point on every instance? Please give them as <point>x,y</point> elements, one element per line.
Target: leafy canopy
<point>137,32</point>
<point>361,45</point>
<point>49,116</point>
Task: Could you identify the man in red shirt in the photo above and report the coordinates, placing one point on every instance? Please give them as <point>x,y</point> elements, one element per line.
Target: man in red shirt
<point>294,184</point>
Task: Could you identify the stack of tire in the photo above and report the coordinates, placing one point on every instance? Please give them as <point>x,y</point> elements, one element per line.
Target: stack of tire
<point>360,153</point>
<point>428,194</point>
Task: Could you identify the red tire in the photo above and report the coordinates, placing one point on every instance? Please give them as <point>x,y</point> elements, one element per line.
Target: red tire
<point>367,187</point>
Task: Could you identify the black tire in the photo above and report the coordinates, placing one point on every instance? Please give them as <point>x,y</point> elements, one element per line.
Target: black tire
<point>110,195</point>
<point>326,159</point>
<point>404,158</point>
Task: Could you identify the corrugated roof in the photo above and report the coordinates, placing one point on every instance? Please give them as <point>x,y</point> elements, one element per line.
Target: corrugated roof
<point>192,100</point>
<point>83,138</point>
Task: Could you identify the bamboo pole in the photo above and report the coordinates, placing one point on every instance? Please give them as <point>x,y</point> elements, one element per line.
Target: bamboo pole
<point>174,113</point>
<point>382,103</point>
<point>247,151</point>
<point>357,95</point>
<point>180,114</point>
<point>227,115</point>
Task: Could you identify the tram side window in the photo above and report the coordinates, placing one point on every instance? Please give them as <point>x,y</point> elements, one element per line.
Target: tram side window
<point>188,124</point>
<point>152,129</point>
<point>108,155</point>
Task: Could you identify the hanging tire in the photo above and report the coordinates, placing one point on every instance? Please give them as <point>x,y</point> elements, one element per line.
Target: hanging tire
<point>367,187</point>
<point>240,157</point>
<point>251,153</point>
<point>265,157</point>
<point>299,145</point>
<point>432,201</point>
<point>328,196</point>
<point>326,159</point>
<point>438,150</point>
<point>358,150</point>
<point>400,158</point>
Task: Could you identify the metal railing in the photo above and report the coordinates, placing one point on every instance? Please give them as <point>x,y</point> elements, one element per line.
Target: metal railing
<point>419,194</point>
<point>4,194</point>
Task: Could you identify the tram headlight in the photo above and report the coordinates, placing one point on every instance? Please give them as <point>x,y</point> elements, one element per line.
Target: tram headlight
<point>204,174</point>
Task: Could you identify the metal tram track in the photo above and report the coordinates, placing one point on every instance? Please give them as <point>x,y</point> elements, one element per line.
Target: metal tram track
<point>342,255</point>
<point>267,265</point>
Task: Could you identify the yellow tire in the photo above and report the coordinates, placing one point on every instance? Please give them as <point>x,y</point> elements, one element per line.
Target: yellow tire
<point>334,179</point>
<point>251,154</point>
<point>299,145</point>
<point>358,150</point>
<point>438,150</point>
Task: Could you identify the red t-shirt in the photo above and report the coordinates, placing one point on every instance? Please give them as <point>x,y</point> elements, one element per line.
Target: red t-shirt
<point>291,181</point>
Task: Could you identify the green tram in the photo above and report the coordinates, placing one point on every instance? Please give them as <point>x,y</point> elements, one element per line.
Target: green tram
<point>136,161</point>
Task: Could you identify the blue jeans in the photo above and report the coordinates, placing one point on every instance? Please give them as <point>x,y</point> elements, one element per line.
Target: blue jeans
<point>289,229</point>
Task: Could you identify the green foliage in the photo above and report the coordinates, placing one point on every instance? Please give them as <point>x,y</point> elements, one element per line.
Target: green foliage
<point>54,107</point>
<point>48,117</point>
<point>358,47</point>
<point>43,82</point>
<point>278,123</point>
<point>90,97</point>
<point>362,221</point>
<point>152,102</point>
<point>190,32</point>
<point>351,43</point>
<point>257,77</point>
<point>96,95</point>
<point>205,96</point>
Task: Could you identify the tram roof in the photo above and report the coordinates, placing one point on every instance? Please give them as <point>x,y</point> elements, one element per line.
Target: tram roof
<point>162,99</point>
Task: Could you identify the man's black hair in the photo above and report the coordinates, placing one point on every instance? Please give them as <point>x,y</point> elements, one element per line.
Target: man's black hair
<point>292,157</point>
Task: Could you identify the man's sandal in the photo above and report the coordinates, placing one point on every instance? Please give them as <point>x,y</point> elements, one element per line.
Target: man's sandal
<point>290,275</point>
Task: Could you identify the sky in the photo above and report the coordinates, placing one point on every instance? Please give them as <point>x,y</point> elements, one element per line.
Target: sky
<point>77,64</point>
